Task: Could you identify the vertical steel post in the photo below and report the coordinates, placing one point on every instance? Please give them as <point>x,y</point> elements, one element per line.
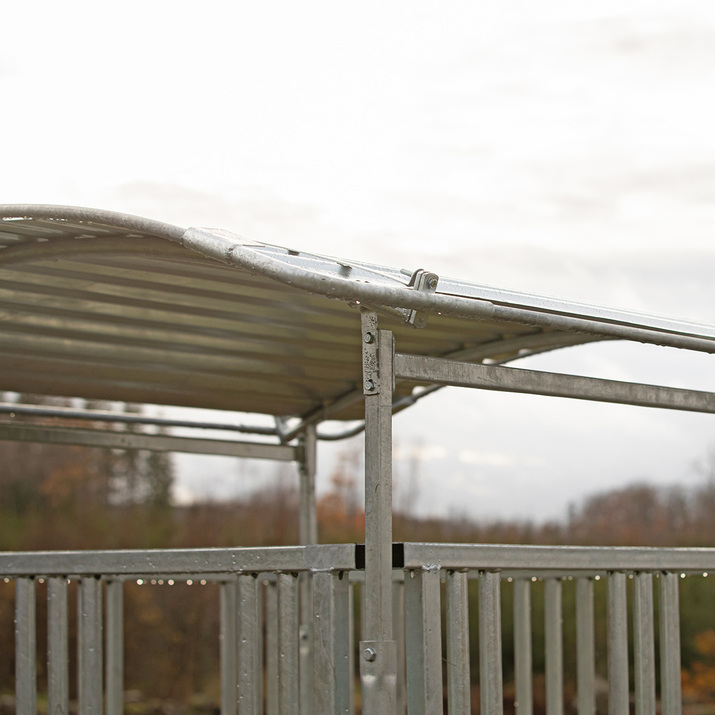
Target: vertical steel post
<point>522,647</point>
<point>308,534</point>
<point>114,669</point>
<point>458,682</point>
<point>308,524</point>
<point>617,644</point>
<point>554,647</point>
<point>58,683</point>
<point>378,661</point>
<point>585,648</point>
<point>271,593</point>
<point>670,695</point>
<point>90,646</point>
<point>490,654</point>
<point>332,681</point>
<point>25,647</point>
<point>398,633</point>
<point>229,647</point>
<point>249,635</point>
<point>288,651</point>
<point>424,642</point>
<point>643,644</point>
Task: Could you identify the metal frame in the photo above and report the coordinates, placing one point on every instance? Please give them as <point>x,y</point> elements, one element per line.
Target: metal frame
<point>306,595</point>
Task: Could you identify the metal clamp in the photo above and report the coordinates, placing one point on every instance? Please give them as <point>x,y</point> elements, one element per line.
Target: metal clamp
<point>423,281</point>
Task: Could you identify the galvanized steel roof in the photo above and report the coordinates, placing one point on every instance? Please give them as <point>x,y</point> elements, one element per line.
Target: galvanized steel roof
<point>101,305</point>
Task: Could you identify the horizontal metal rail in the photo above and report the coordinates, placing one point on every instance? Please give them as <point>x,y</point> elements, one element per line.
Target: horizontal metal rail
<point>110,439</point>
<point>69,413</point>
<point>507,379</point>
<point>558,560</point>
<point>178,561</point>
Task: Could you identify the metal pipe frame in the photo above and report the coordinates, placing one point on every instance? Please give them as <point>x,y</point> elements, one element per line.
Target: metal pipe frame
<point>110,439</point>
<point>69,413</point>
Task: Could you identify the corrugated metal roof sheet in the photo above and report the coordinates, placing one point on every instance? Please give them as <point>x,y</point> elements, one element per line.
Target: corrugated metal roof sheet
<point>108,306</point>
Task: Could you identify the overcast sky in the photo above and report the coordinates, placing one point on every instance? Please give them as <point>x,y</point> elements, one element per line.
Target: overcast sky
<point>564,148</point>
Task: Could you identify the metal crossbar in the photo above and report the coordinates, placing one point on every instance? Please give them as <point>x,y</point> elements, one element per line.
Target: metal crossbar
<point>263,664</point>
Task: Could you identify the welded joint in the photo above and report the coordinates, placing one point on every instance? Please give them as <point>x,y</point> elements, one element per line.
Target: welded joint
<point>426,282</point>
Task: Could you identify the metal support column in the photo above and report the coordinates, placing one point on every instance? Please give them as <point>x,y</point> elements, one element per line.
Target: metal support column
<point>378,652</point>
<point>308,534</point>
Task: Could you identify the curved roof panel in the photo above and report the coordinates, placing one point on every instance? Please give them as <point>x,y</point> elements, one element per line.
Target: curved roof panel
<point>100,305</point>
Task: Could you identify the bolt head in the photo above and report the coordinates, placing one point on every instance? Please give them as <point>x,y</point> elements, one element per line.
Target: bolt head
<point>369,386</point>
<point>432,283</point>
<point>369,338</point>
<point>369,654</point>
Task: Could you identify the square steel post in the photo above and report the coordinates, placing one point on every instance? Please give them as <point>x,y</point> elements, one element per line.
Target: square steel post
<point>378,652</point>
<point>308,534</point>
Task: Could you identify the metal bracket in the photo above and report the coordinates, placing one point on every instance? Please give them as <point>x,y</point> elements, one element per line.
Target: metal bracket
<point>423,281</point>
<point>370,365</point>
<point>378,675</point>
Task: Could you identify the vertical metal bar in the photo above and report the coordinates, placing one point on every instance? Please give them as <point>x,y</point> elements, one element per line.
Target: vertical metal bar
<point>490,653</point>
<point>58,684</point>
<point>288,684</point>
<point>458,682</point>
<point>90,646</point>
<point>351,645</point>
<point>308,534</point>
<point>585,648</point>
<point>378,669</point>
<point>398,631</point>
<point>249,637</point>
<point>553,617</point>
<point>643,644</point>
<point>331,659</point>
<point>308,523</point>
<point>423,642</point>
<point>114,644</point>
<point>670,695</point>
<point>229,647</point>
<point>522,647</point>
<point>617,644</point>
<point>25,647</point>
<point>271,648</point>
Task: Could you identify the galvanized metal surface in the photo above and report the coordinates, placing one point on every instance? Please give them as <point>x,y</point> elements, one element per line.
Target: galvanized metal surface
<point>23,432</point>
<point>228,637</point>
<point>669,616</point>
<point>423,642</point>
<point>90,692</point>
<point>585,648</point>
<point>523,704</point>
<point>515,560</point>
<point>618,700</point>
<point>134,563</point>
<point>114,647</point>
<point>457,617</point>
<point>58,648</point>
<point>490,647</point>
<point>553,628</point>
<point>109,306</point>
<point>505,379</point>
<point>25,647</point>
